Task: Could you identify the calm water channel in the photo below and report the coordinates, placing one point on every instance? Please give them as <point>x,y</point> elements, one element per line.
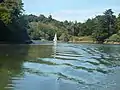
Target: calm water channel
<point>64,67</point>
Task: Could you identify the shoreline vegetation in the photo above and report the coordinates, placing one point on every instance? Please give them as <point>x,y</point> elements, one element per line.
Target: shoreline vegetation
<point>84,39</point>
<point>89,40</point>
<point>19,28</point>
<point>92,42</point>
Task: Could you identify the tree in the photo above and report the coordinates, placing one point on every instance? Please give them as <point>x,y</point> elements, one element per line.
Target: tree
<point>90,26</point>
<point>64,37</point>
<point>104,26</point>
<point>15,24</point>
<point>10,10</point>
<point>41,18</point>
<point>49,18</point>
<point>5,16</point>
<point>110,21</point>
<point>118,23</point>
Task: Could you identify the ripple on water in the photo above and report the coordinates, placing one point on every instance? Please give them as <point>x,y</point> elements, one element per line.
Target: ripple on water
<point>67,67</point>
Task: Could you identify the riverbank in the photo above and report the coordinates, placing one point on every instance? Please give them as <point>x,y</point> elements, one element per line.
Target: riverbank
<point>91,42</point>
<point>84,39</point>
<point>118,43</point>
<point>89,39</point>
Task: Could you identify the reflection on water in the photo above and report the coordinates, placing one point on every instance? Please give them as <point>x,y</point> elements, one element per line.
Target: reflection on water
<point>54,51</point>
<point>61,67</point>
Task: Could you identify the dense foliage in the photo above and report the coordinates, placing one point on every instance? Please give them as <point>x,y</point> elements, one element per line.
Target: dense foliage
<point>100,28</point>
<point>13,25</point>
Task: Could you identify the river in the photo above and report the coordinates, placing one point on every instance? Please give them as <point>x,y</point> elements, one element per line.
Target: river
<point>66,66</point>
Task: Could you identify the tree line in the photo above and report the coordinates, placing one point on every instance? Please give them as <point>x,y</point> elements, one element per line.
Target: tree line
<point>101,28</point>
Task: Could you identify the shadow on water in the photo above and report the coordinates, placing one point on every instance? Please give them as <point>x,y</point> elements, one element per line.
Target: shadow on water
<point>11,60</point>
<point>39,51</point>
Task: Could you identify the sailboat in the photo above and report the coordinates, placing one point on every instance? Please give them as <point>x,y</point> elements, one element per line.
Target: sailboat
<point>55,39</point>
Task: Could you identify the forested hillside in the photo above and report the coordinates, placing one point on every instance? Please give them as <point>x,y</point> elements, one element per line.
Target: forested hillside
<point>16,26</point>
<point>101,28</point>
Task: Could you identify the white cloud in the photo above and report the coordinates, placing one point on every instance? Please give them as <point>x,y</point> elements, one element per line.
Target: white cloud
<point>72,15</point>
<point>79,15</point>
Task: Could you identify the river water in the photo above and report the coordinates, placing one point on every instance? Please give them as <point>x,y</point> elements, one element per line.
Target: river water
<point>66,66</point>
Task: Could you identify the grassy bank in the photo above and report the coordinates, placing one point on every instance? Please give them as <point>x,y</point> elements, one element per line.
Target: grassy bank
<point>84,39</point>
<point>89,39</point>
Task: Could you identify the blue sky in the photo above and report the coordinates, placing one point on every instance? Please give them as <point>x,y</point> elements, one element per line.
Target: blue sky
<point>79,10</point>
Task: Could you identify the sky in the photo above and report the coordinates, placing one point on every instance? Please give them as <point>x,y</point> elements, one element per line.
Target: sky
<point>72,10</point>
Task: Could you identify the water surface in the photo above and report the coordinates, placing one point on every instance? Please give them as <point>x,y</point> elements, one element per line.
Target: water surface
<point>64,67</point>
